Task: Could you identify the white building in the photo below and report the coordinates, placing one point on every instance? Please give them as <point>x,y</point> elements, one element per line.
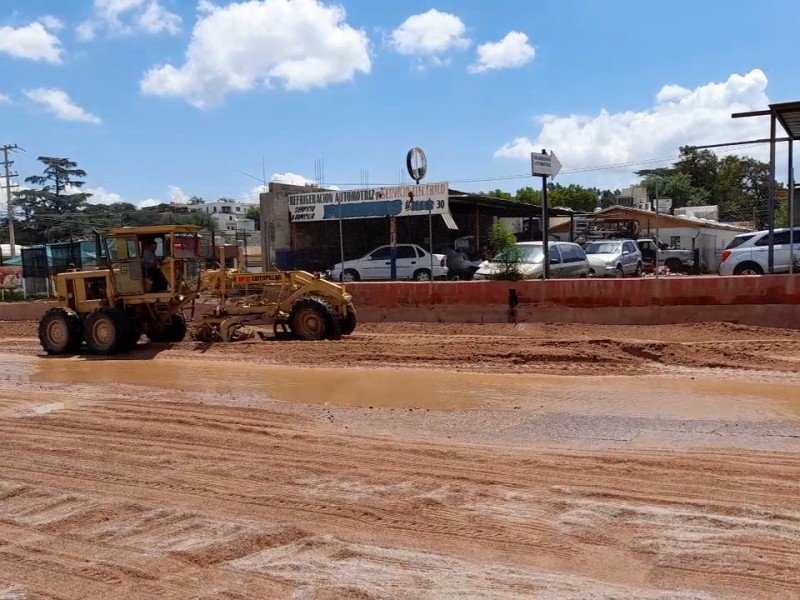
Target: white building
<point>229,214</point>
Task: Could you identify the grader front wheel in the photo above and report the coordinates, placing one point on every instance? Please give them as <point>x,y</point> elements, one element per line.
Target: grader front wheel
<point>313,319</point>
<point>107,331</point>
<point>348,324</point>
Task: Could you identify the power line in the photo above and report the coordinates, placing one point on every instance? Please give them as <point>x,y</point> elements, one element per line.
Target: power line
<point>606,167</point>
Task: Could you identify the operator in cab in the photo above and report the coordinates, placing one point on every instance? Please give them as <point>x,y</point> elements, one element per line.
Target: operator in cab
<point>152,268</point>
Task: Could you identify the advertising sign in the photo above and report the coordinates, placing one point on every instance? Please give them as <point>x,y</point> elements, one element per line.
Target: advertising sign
<point>394,201</point>
<point>10,278</point>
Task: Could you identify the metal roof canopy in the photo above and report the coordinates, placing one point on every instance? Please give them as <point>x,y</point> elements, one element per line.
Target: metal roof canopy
<point>788,115</point>
<point>512,208</point>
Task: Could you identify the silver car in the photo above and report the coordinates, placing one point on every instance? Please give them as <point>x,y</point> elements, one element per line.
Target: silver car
<point>614,258</point>
<point>566,260</point>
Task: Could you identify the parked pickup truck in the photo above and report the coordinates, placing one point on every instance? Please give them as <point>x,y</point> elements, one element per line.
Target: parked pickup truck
<point>675,259</point>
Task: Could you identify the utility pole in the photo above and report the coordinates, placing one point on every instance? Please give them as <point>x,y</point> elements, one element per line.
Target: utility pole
<point>9,196</point>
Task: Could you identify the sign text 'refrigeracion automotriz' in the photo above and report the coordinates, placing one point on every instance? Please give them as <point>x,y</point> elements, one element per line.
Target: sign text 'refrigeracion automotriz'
<point>395,201</point>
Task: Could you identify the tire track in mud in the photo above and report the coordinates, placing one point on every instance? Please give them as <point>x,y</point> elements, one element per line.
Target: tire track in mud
<point>172,494</point>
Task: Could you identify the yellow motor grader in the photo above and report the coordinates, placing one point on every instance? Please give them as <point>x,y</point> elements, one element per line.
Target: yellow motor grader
<point>148,277</point>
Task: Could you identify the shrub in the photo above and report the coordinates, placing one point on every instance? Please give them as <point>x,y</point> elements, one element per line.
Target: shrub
<point>504,244</point>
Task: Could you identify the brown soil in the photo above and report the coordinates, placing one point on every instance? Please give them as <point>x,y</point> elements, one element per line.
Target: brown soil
<point>524,348</point>
<point>227,472</point>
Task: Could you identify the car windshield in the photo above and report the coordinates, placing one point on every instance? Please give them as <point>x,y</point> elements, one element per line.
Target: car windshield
<point>602,248</point>
<point>527,254</point>
<point>739,240</point>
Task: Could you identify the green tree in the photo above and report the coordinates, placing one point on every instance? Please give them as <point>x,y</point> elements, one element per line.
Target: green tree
<point>498,193</point>
<point>195,200</point>
<point>529,195</point>
<point>503,243</point>
<point>254,213</point>
<point>678,187</point>
<point>48,208</point>
<point>742,190</point>
<point>700,165</point>
<point>573,196</point>
<point>609,198</point>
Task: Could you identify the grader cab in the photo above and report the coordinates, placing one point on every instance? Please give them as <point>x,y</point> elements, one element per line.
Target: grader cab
<point>147,277</point>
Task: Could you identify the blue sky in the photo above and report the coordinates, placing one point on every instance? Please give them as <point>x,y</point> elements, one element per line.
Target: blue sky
<point>166,98</point>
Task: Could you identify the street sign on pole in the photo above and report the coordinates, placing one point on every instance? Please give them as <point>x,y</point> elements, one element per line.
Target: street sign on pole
<point>664,205</point>
<point>544,165</point>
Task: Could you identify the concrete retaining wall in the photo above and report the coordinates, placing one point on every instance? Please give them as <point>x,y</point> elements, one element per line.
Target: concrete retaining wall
<point>585,293</point>
<point>769,301</point>
<point>772,301</point>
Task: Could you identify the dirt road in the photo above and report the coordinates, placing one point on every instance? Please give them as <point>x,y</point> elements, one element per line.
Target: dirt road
<point>447,462</point>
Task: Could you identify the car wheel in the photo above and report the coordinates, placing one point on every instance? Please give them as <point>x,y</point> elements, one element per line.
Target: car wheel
<point>422,275</point>
<point>748,268</point>
<point>350,275</point>
<point>638,271</point>
<point>619,272</point>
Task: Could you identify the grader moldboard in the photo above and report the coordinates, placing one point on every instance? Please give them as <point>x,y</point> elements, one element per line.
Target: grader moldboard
<point>112,306</point>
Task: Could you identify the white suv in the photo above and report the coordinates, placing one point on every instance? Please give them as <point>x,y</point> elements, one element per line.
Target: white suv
<point>747,254</point>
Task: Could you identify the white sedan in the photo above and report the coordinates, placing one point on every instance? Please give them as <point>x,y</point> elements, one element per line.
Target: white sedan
<point>412,262</point>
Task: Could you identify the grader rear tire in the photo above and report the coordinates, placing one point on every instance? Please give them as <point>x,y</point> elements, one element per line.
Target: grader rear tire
<point>313,319</point>
<point>60,331</point>
<point>107,331</point>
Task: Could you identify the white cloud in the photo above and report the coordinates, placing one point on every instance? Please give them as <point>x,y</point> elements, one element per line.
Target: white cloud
<point>300,44</point>
<point>51,22</point>
<point>100,195</point>
<point>156,19</point>
<point>177,195</point>
<point>430,34</point>
<point>58,102</point>
<point>252,196</point>
<point>678,118</point>
<point>5,99</point>
<point>511,52</point>
<point>125,17</point>
<point>290,178</point>
<point>34,41</point>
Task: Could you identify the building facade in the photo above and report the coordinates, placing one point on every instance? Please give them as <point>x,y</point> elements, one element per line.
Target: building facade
<point>229,214</point>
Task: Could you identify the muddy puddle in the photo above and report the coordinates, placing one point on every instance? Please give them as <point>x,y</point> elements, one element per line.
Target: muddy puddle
<point>673,397</point>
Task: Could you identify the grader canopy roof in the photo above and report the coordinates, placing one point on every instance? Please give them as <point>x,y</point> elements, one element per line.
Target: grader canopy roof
<point>156,229</point>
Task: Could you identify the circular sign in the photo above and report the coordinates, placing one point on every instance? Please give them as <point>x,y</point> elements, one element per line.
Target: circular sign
<point>417,164</point>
